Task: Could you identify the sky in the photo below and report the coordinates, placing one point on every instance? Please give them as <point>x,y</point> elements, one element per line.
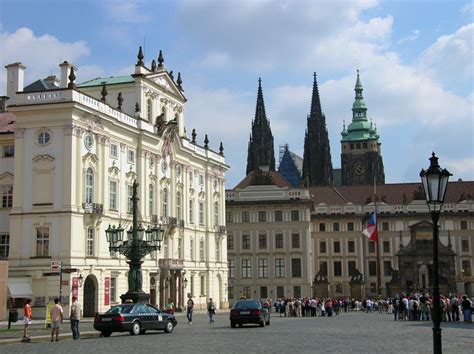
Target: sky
<point>416,61</point>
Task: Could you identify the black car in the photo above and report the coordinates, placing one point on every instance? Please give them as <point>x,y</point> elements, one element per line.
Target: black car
<point>249,311</point>
<point>134,318</point>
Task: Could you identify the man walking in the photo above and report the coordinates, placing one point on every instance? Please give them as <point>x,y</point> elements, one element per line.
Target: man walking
<point>189,309</point>
<point>74,317</point>
<point>56,319</point>
<point>211,310</point>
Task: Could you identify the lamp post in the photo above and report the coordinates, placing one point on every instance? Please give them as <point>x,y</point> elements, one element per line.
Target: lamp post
<point>435,182</point>
<point>134,249</point>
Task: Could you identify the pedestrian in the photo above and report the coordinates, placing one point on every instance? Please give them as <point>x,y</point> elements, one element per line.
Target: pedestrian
<point>169,306</point>
<point>211,310</point>
<point>27,313</point>
<point>466,309</point>
<point>189,309</point>
<point>56,319</point>
<point>74,317</point>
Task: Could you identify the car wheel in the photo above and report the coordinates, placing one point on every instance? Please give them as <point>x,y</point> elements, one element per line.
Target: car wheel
<point>169,327</point>
<point>106,333</point>
<point>136,328</point>
<point>232,324</point>
<point>262,323</point>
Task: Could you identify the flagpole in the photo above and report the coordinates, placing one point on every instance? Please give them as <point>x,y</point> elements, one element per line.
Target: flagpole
<point>379,282</point>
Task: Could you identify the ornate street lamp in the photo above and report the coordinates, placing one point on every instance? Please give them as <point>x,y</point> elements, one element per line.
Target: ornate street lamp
<point>435,183</point>
<point>134,249</point>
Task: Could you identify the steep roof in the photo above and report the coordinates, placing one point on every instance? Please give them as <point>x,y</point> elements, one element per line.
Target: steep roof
<point>7,123</point>
<point>394,194</point>
<point>40,85</point>
<point>263,178</point>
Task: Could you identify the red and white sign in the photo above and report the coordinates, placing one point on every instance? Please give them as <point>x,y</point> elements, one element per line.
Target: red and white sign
<point>55,264</point>
<point>75,287</point>
<point>107,291</point>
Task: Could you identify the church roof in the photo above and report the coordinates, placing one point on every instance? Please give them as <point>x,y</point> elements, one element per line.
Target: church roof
<point>263,178</point>
<point>112,80</point>
<point>394,194</point>
<point>288,169</point>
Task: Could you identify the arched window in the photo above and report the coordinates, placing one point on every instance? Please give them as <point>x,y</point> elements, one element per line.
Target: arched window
<point>89,185</point>
<point>216,213</point>
<point>178,205</point>
<point>150,199</point>
<point>165,203</point>
<point>148,110</point>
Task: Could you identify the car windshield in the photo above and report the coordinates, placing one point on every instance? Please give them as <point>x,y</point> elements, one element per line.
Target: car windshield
<point>120,309</point>
<point>247,304</point>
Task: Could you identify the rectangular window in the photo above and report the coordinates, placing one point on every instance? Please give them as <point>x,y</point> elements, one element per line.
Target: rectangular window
<point>278,215</point>
<point>386,246</point>
<point>372,268</point>
<point>322,227</point>
<point>279,268</point>
<point>90,242</point>
<point>297,291</point>
<point>350,246</point>
<point>201,250</point>
<point>201,180</point>
<point>337,247</point>
<point>263,268</point>
<point>296,267</point>
<point>191,250</point>
<point>113,290</point>
<point>463,225</point>
<point>201,213</point>
<point>191,211</point>
<point>129,198</point>
<point>131,156</point>
<point>466,268</point>
<point>246,216</point>
<point>385,226</point>
<point>9,151</point>
<point>262,216</point>
<point>323,268</point>
<point>229,217</point>
<point>4,246</point>
<point>322,247</point>
<point>465,245</point>
<point>351,267</point>
<point>387,268</point>
<point>7,196</point>
<point>295,215</point>
<point>335,226</point>
<point>113,150</point>
<point>246,268</point>
<point>230,290</point>
<point>350,226</point>
<point>190,177</point>
<point>295,241</point>
<point>245,242</point>
<point>262,241</point>
<point>42,241</point>
<point>278,241</point>
<point>180,248</point>
<point>263,292</point>
<point>337,269</point>
<point>230,242</point>
<point>371,246</point>
<point>280,292</point>
<point>231,268</point>
<point>203,285</point>
<point>113,195</point>
<point>218,251</point>
<point>246,292</point>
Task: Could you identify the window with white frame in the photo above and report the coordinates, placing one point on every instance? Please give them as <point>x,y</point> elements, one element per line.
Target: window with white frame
<point>263,268</point>
<point>113,289</point>
<point>201,180</point>
<point>90,242</point>
<point>246,216</point>
<point>279,268</point>
<point>178,206</point>
<point>7,196</point>
<point>190,178</point>
<point>245,242</point>
<point>131,155</point>
<point>164,211</point>
<point>113,150</point>
<point>201,250</point>
<point>89,185</point>
<point>203,285</point>
<point>231,268</point>
<point>9,151</point>
<point>246,268</point>
<point>4,246</point>
<point>42,241</point>
<point>151,193</point>
<point>216,213</point>
<point>229,217</point>
<point>191,250</point>
<point>191,211</point>
<point>180,247</point>
<point>113,195</point>
<point>230,241</point>
<point>129,198</point>
<point>201,213</point>
<point>218,251</point>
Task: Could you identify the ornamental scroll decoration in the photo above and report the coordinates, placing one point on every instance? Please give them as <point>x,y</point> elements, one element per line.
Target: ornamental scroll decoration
<point>92,122</point>
<point>161,81</point>
<point>169,135</point>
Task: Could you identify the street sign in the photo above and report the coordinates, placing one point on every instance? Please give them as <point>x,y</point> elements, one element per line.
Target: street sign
<point>55,264</point>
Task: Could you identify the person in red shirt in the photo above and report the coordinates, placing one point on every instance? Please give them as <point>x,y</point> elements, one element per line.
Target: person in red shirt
<point>27,317</point>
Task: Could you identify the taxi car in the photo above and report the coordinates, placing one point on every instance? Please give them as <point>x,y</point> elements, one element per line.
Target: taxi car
<point>134,318</point>
<point>249,311</point>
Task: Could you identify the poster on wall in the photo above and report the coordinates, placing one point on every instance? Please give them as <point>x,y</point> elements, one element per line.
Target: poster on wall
<point>107,291</point>
<point>75,287</point>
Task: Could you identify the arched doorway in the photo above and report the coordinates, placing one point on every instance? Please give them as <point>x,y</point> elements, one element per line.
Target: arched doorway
<point>90,296</point>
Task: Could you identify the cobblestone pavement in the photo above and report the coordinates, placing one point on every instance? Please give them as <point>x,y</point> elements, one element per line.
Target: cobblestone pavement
<point>351,332</point>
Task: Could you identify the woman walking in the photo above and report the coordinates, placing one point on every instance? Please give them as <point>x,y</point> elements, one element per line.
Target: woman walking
<point>211,310</point>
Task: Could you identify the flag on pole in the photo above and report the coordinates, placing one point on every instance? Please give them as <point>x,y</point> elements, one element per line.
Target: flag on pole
<point>371,230</point>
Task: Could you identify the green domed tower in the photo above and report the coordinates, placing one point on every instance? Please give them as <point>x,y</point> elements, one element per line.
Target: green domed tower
<point>361,159</point>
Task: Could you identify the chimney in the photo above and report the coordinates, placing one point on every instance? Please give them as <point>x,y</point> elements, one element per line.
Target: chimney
<point>15,80</point>
<point>65,71</point>
<point>3,103</point>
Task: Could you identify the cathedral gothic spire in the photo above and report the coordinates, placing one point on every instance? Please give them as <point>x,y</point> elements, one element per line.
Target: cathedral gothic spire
<point>261,154</point>
<point>317,165</point>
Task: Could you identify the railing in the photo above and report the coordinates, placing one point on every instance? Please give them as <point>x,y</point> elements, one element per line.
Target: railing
<point>154,219</point>
<point>219,229</point>
<point>93,208</point>
<point>169,220</point>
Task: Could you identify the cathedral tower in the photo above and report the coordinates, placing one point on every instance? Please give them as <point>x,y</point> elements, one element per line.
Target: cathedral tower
<point>361,159</point>
<point>317,165</point>
<point>260,150</point>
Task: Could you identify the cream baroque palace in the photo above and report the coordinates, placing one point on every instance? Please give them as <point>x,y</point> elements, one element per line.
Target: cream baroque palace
<point>70,156</point>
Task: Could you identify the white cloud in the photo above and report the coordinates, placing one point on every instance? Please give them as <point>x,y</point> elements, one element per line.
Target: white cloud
<point>24,46</point>
<point>412,37</point>
<point>126,11</point>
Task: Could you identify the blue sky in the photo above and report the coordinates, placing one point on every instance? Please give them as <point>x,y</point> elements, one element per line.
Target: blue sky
<point>415,57</point>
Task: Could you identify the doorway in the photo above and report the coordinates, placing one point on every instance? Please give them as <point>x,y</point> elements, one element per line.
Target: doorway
<point>89,306</point>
